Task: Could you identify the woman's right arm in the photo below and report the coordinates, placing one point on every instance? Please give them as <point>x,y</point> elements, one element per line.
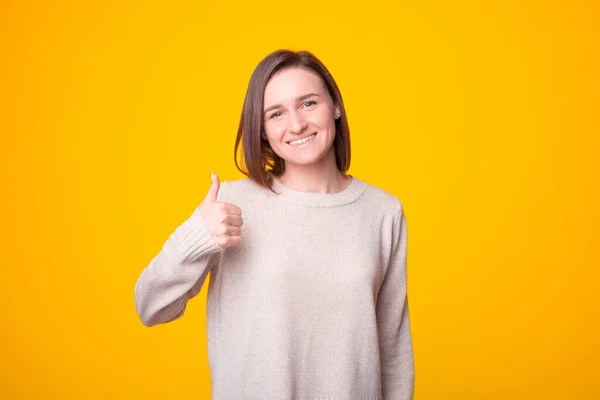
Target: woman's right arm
<point>176,273</point>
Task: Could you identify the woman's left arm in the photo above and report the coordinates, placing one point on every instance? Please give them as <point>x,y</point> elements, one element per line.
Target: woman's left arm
<point>395,339</point>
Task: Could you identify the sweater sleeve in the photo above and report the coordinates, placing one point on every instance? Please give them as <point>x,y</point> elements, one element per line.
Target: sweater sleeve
<point>176,273</point>
<point>395,341</point>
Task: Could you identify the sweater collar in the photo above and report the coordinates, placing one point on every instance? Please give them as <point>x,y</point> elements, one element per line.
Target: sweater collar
<point>351,193</point>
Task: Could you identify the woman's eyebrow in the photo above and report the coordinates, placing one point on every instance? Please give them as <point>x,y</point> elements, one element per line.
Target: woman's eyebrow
<point>304,96</point>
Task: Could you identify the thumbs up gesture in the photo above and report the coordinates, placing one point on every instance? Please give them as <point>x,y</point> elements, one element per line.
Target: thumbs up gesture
<point>223,220</point>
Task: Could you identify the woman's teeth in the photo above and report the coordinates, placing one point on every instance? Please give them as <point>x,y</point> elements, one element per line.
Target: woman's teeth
<point>300,141</point>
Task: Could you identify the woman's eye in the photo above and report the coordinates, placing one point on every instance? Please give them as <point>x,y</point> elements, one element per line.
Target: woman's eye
<point>309,103</point>
<point>275,114</point>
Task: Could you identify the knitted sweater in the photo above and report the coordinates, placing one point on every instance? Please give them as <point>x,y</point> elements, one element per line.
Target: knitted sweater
<point>312,305</point>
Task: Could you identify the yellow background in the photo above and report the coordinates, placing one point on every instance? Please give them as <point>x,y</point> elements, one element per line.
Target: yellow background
<point>481,118</point>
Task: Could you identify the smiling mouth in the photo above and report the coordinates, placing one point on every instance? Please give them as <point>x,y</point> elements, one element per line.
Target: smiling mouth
<point>302,141</point>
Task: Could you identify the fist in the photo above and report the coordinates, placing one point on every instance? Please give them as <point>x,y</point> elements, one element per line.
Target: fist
<point>223,220</point>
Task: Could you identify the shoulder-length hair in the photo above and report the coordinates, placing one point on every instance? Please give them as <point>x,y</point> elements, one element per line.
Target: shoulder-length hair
<point>257,156</point>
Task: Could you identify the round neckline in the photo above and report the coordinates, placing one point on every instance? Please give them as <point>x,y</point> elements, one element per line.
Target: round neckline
<point>312,199</point>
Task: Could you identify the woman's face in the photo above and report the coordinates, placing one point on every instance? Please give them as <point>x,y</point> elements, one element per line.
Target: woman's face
<point>297,106</point>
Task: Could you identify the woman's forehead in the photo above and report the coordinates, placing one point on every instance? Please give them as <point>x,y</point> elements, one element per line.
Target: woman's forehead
<point>292,83</point>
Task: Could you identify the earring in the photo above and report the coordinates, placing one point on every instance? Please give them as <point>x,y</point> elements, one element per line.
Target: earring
<point>337,115</point>
<point>264,136</point>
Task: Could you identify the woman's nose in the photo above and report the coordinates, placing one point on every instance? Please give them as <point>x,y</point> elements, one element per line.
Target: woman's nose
<point>296,122</point>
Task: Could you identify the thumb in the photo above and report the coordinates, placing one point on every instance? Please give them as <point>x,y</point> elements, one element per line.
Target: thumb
<point>211,196</point>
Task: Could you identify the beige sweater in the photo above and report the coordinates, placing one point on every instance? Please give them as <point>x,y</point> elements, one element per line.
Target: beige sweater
<point>311,305</point>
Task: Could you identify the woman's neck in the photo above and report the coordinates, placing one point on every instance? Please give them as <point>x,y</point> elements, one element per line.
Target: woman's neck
<point>315,180</point>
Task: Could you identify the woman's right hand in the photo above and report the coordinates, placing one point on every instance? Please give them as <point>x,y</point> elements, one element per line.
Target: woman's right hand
<point>223,220</point>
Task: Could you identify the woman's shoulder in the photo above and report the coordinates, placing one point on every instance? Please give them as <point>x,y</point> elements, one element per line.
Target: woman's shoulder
<point>235,189</point>
<point>382,197</point>
<point>238,184</point>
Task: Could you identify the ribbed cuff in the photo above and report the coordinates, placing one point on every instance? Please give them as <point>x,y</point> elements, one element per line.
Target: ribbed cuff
<point>193,239</point>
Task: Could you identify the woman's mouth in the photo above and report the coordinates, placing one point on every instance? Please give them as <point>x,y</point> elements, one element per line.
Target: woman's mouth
<point>302,141</point>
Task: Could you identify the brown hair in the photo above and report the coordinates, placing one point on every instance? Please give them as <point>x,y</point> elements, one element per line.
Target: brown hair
<point>257,155</point>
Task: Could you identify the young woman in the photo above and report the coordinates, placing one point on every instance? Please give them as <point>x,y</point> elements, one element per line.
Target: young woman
<point>308,290</point>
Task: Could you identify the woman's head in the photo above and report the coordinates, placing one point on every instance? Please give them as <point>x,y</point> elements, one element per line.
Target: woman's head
<point>291,96</point>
